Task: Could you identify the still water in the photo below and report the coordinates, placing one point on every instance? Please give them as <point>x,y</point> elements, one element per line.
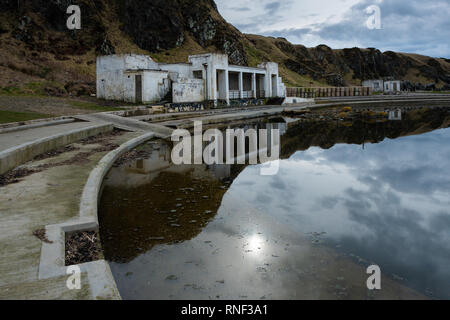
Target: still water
<point>309,232</point>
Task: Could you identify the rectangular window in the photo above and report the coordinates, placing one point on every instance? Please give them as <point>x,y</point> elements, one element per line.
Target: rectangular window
<point>198,74</point>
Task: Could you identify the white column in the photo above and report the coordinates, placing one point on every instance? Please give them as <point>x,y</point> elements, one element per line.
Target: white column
<point>254,84</point>
<point>268,85</point>
<point>214,84</point>
<point>227,87</point>
<point>241,84</point>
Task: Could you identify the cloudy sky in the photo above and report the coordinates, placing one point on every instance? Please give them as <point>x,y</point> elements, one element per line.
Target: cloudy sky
<point>415,26</point>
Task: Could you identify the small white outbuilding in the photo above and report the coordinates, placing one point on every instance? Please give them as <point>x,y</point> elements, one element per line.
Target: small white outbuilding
<point>383,86</point>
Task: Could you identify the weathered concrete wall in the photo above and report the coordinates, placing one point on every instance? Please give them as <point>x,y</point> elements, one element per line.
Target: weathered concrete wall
<point>210,63</point>
<point>139,62</point>
<point>113,83</point>
<point>110,85</point>
<point>392,86</point>
<point>14,157</point>
<point>376,85</point>
<point>184,70</point>
<point>155,86</point>
<point>281,88</point>
<point>295,101</point>
<point>271,70</point>
<point>383,86</point>
<point>188,90</point>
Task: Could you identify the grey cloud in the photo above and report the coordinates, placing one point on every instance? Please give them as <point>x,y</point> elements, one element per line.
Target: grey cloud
<point>395,229</point>
<point>243,9</point>
<point>272,6</point>
<point>412,26</point>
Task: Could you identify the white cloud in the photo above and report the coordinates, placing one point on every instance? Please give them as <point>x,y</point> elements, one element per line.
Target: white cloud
<point>410,26</point>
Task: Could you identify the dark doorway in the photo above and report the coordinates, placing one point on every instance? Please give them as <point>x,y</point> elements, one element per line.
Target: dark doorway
<point>138,88</point>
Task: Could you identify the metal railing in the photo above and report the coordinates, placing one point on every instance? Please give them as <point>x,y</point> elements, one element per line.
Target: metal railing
<point>247,94</point>
<point>328,92</point>
<point>234,94</point>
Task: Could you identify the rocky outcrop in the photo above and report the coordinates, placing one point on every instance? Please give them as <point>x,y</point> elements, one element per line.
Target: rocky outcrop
<point>41,25</point>
<point>162,24</point>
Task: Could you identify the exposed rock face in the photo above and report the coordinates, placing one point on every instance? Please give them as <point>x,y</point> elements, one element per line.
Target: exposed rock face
<point>162,24</point>
<point>154,25</point>
<point>41,24</point>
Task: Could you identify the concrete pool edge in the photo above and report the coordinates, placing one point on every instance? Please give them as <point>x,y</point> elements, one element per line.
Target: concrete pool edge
<point>19,126</point>
<point>52,259</point>
<point>18,155</point>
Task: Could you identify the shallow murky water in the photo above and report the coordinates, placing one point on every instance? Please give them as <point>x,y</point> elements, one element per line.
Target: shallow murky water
<point>309,232</point>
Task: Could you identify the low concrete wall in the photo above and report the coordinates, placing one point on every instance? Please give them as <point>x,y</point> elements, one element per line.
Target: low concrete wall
<point>20,127</point>
<point>295,100</point>
<point>101,280</point>
<point>14,157</point>
<point>91,192</point>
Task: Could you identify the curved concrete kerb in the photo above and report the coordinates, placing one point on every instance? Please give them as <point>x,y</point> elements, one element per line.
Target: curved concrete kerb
<point>52,263</point>
<point>89,199</point>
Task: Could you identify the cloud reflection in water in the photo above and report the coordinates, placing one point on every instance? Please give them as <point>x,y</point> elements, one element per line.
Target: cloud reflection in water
<point>388,203</point>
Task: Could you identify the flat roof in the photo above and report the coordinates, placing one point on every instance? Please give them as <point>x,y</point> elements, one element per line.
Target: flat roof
<point>236,68</point>
<point>143,70</point>
<point>176,63</point>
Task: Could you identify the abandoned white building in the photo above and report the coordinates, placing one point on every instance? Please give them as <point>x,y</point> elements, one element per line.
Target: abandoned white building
<point>383,86</point>
<point>207,77</point>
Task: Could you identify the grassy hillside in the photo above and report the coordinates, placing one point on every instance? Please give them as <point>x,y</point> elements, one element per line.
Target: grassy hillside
<point>39,56</point>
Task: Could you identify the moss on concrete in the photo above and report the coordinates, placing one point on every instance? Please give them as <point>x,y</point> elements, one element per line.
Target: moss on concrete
<point>12,116</point>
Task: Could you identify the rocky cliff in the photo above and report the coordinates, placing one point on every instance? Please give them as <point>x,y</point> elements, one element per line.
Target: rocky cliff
<point>351,66</point>
<point>39,54</point>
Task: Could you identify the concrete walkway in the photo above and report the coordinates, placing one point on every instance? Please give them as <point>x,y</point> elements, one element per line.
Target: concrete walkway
<point>11,139</point>
<point>49,197</point>
<point>127,123</point>
<point>230,116</point>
